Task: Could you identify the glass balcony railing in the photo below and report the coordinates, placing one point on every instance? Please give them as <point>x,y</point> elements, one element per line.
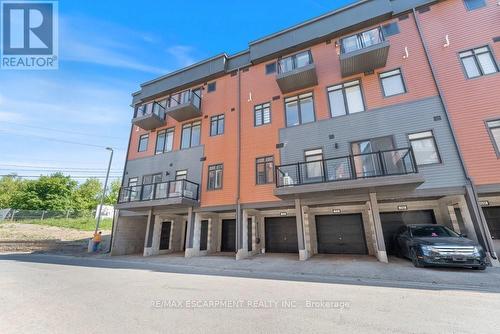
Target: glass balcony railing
<point>362,40</point>
<point>294,62</point>
<point>152,108</point>
<point>351,167</point>
<point>158,191</point>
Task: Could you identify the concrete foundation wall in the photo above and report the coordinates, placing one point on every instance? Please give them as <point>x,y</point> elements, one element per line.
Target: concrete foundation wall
<point>129,235</point>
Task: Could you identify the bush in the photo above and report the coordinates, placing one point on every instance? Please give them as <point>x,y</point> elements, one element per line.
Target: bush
<point>82,224</point>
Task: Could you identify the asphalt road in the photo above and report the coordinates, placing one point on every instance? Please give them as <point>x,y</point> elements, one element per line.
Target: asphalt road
<point>47,295</point>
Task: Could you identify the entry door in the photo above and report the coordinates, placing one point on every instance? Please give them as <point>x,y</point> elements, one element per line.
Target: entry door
<point>340,234</point>
<point>204,235</point>
<point>228,240</point>
<point>249,229</point>
<point>492,215</point>
<point>165,235</point>
<point>365,162</point>
<point>281,235</point>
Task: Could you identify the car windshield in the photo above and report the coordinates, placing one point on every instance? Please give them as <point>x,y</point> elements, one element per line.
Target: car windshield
<point>432,232</point>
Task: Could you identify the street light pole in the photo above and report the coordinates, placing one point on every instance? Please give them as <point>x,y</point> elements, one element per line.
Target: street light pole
<point>104,190</point>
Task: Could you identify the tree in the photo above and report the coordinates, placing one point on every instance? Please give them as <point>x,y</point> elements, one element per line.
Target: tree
<point>113,192</point>
<point>87,195</point>
<point>9,186</point>
<point>52,192</point>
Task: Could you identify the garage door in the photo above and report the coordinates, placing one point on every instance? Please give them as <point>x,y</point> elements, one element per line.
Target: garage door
<point>228,242</point>
<point>492,215</point>
<point>281,235</point>
<point>391,221</point>
<point>340,234</point>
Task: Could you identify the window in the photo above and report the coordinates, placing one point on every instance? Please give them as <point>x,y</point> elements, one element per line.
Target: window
<point>361,40</point>
<point>494,128</point>
<point>164,141</point>
<point>474,4</point>
<point>314,163</point>
<point>216,125</point>
<point>264,170</point>
<point>390,29</point>
<point>345,99</point>
<point>181,175</point>
<point>299,109</point>
<point>190,135</point>
<point>143,143</point>
<point>211,87</point>
<point>425,148</point>
<point>215,177</point>
<point>295,61</point>
<point>478,62</point>
<point>392,83</point>
<point>152,178</point>
<point>262,114</point>
<point>270,68</point>
<point>133,181</point>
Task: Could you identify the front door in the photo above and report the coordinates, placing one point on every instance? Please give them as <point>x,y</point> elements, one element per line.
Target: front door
<point>228,240</point>
<point>165,235</point>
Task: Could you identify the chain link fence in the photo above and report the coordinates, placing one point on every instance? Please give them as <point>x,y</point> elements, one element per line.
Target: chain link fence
<point>19,215</point>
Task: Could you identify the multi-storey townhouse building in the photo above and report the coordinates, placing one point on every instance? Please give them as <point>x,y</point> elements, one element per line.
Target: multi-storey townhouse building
<point>322,138</point>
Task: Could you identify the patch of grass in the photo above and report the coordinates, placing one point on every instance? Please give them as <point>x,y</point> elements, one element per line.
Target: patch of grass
<point>82,224</point>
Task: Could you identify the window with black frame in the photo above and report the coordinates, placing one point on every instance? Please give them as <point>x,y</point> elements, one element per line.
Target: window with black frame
<point>313,165</point>
<point>478,62</point>
<point>215,177</point>
<point>392,83</point>
<point>424,148</point>
<point>474,4</point>
<point>217,125</point>
<point>494,129</point>
<point>264,168</point>
<point>143,143</point>
<point>345,99</point>
<point>190,135</point>
<point>299,109</point>
<point>164,141</point>
<point>262,114</point>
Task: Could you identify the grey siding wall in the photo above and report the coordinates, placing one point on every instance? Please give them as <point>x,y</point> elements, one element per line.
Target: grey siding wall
<point>397,120</point>
<point>168,162</point>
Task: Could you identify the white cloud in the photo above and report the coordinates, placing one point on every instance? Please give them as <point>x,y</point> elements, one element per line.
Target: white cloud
<point>182,54</point>
<point>10,116</point>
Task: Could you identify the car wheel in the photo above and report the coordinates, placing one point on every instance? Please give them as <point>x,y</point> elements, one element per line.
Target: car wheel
<point>414,259</point>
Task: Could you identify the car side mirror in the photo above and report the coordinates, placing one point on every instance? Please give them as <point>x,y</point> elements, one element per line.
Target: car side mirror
<point>463,235</point>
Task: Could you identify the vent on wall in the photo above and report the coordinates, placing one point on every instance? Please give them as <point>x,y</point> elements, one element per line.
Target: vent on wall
<point>424,9</point>
<point>496,39</point>
<point>280,145</point>
<point>404,17</point>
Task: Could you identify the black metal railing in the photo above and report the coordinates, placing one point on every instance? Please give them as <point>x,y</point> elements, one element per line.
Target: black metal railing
<point>187,96</point>
<point>160,190</point>
<point>295,61</point>
<point>150,109</point>
<point>383,163</point>
<point>361,40</point>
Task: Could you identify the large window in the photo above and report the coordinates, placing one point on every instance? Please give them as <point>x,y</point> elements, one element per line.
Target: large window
<point>262,114</point>
<point>164,141</point>
<point>264,170</point>
<point>299,109</point>
<point>314,163</point>
<point>216,125</point>
<point>215,177</point>
<point>392,83</point>
<point>425,148</point>
<point>474,4</point>
<point>478,62</point>
<point>345,99</point>
<point>143,143</point>
<point>361,40</point>
<point>494,128</point>
<point>190,135</point>
<point>295,61</point>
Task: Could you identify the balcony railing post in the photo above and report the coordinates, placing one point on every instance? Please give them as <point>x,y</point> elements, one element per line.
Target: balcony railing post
<point>299,176</point>
<point>353,167</point>
<point>325,171</point>
<point>154,190</point>
<point>413,160</point>
<point>141,192</point>
<point>382,165</point>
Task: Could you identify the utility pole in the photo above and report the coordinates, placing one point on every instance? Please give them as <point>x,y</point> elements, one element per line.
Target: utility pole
<point>104,190</point>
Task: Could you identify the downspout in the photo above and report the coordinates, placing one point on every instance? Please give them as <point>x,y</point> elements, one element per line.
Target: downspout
<point>123,180</point>
<point>239,240</point>
<point>469,181</point>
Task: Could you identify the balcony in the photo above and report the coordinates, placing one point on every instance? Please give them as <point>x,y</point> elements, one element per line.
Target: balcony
<point>149,116</point>
<point>169,194</point>
<point>296,72</point>
<point>393,170</point>
<point>184,105</point>
<point>364,52</point>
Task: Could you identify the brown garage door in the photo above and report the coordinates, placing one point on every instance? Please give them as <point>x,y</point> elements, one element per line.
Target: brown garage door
<point>340,234</point>
<point>492,215</point>
<point>281,235</point>
<point>392,221</point>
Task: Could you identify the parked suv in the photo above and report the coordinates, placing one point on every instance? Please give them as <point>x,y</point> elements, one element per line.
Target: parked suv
<point>437,245</point>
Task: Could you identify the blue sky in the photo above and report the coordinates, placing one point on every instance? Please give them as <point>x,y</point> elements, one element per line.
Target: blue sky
<point>107,48</point>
